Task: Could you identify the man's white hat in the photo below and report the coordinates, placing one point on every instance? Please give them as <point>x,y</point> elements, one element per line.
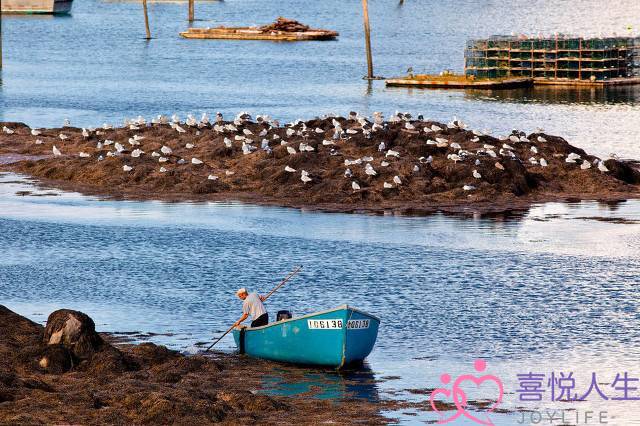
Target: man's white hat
<point>241,291</point>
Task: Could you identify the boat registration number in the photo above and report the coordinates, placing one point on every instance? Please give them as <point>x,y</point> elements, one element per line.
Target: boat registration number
<point>329,324</point>
<point>358,324</point>
<point>325,324</point>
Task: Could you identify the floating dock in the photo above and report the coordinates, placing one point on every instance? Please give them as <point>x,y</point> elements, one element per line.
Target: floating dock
<point>36,7</point>
<point>282,29</point>
<point>249,33</point>
<point>453,81</point>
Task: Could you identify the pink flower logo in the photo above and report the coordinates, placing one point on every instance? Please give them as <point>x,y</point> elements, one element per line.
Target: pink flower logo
<point>460,397</point>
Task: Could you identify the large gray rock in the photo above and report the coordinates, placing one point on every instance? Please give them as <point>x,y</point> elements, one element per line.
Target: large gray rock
<point>75,331</point>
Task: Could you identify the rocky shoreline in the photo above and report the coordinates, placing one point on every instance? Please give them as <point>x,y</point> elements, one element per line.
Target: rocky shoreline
<point>67,373</point>
<point>403,165</point>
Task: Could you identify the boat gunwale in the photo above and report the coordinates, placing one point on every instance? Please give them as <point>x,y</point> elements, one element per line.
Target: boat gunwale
<point>341,307</point>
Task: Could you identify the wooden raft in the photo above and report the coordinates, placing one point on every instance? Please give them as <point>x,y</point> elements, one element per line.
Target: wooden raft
<point>252,33</point>
<point>457,82</point>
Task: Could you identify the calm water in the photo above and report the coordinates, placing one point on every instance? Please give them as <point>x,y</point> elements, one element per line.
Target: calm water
<point>94,65</point>
<point>553,288</point>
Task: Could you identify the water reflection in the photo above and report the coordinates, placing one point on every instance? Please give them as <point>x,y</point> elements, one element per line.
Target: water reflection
<point>323,384</point>
<point>627,95</point>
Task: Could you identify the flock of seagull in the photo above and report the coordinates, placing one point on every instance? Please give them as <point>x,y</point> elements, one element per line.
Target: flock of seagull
<point>237,132</point>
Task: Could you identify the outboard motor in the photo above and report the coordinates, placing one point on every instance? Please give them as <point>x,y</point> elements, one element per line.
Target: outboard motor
<point>283,315</point>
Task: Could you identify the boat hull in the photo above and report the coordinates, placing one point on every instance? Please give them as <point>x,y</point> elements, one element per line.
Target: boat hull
<point>336,338</point>
<point>36,6</point>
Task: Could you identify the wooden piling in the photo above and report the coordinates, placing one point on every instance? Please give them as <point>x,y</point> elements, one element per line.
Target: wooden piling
<point>146,19</point>
<point>191,10</point>
<point>367,38</point>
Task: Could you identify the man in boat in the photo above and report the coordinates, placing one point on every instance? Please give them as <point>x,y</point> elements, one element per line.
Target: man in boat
<point>252,306</point>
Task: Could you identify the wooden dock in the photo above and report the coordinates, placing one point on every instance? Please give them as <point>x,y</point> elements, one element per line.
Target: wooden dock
<point>252,33</point>
<point>452,81</point>
<point>35,7</point>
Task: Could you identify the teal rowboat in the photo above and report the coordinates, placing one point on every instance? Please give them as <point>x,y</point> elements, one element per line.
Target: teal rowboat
<point>334,338</point>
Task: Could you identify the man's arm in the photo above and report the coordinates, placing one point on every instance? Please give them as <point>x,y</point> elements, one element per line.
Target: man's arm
<point>242,318</point>
<point>262,298</point>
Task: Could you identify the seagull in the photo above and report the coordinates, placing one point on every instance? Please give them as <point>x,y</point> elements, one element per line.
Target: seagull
<point>585,165</point>
<point>166,150</point>
<point>416,169</point>
<point>468,188</point>
<point>291,150</point>
<point>319,130</point>
<point>387,185</point>
<point>39,141</point>
<point>435,128</point>
<point>107,142</point>
<point>304,177</point>
<point>56,152</point>
<point>163,160</point>
<point>212,177</point>
<point>534,149</point>
<point>162,170</point>
<point>84,155</point>
<point>384,163</point>
<point>189,146</point>
<point>127,168</point>
<point>355,186</point>
<point>180,129</point>
<point>62,136</point>
<point>369,170</point>
<point>119,147</point>
<point>381,147</point>
<point>392,153</point>
<point>289,169</point>
<point>196,161</point>
<point>35,132</point>
<point>541,139</point>
<point>475,139</point>
<point>514,138</point>
<point>85,133</point>
<point>66,123</point>
<point>247,132</point>
<point>506,146</point>
<point>227,142</point>
<point>396,180</point>
<point>137,153</point>
<point>427,160</point>
<point>602,167</point>
<point>100,158</point>
<point>348,173</point>
<point>533,160</point>
<point>572,157</point>
<point>543,162</point>
<point>455,145</point>
<point>290,132</point>
<point>476,174</point>
<point>454,157</point>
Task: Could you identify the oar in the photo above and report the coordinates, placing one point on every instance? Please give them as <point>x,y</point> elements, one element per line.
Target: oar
<point>287,278</point>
